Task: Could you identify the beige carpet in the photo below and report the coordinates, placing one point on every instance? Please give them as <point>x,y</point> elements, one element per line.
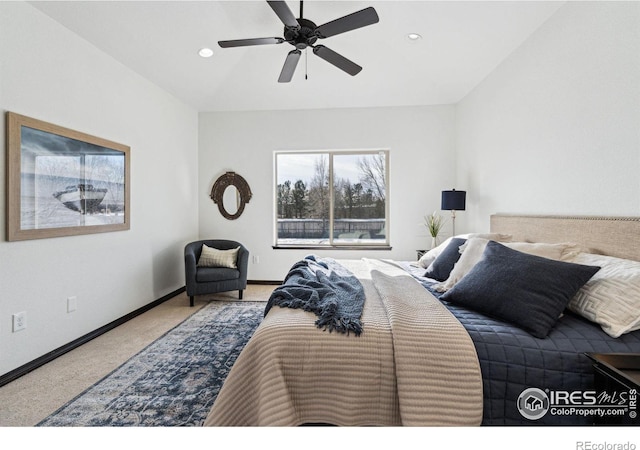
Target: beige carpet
<point>31,398</point>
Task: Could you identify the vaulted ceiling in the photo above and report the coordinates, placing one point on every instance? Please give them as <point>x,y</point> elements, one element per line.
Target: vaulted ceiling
<point>462,42</point>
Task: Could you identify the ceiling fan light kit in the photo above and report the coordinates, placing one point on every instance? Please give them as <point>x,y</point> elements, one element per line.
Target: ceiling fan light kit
<point>303,33</point>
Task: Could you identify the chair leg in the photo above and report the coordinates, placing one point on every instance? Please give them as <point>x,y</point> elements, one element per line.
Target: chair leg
<point>240,295</point>
<point>191,300</point>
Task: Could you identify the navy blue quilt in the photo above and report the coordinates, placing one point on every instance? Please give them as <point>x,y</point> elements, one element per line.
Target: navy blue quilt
<point>512,360</point>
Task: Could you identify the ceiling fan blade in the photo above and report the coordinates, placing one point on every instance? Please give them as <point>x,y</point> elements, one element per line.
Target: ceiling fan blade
<point>359,19</point>
<point>289,66</point>
<point>284,13</point>
<point>246,42</point>
<point>337,60</point>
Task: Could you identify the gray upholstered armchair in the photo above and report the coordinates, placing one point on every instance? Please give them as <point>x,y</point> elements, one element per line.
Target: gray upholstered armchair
<point>209,280</point>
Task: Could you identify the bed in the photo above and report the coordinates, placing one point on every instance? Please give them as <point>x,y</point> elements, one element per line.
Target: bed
<point>425,357</point>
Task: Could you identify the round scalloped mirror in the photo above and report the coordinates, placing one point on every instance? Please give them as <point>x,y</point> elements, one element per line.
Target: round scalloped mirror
<point>231,193</point>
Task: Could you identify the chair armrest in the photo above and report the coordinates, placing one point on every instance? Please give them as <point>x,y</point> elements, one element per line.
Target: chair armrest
<point>190,267</point>
<point>243,263</point>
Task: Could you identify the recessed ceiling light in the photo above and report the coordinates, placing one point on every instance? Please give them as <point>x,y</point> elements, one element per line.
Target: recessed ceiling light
<point>414,36</point>
<point>205,52</point>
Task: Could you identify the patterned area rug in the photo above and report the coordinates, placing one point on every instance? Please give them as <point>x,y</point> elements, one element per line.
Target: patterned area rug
<point>174,380</point>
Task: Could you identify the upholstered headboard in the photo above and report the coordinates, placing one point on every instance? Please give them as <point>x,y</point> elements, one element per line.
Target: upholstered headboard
<point>614,236</point>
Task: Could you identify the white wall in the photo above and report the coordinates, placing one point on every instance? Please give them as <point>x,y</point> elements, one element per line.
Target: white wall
<point>49,73</point>
<point>556,127</point>
<point>420,140</point>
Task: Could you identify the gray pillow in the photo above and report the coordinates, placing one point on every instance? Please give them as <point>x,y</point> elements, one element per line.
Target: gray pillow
<point>526,290</point>
<point>443,264</point>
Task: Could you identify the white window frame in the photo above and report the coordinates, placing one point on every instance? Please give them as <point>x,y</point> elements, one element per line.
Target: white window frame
<point>332,243</point>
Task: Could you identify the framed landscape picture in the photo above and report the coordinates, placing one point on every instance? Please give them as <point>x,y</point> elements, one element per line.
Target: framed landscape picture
<point>62,182</point>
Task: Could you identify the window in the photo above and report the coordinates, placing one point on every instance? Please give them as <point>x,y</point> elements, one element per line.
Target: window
<point>332,199</point>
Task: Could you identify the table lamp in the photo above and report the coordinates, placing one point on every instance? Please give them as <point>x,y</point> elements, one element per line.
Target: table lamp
<point>453,201</point>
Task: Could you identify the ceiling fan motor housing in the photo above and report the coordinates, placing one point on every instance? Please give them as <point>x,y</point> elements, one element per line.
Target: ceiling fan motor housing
<point>304,36</point>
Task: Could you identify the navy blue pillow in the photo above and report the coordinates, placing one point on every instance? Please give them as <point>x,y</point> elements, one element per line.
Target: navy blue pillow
<point>526,290</point>
<point>442,266</point>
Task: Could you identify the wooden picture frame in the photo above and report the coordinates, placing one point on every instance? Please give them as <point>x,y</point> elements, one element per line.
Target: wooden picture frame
<point>61,182</point>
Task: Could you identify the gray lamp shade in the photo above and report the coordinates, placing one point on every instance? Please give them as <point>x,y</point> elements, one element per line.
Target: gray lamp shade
<point>453,200</point>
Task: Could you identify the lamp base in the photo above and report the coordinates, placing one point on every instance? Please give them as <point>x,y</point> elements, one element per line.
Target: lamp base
<point>453,222</point>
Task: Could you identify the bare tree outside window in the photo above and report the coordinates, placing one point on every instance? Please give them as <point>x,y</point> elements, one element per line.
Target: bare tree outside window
<point>373,168</point>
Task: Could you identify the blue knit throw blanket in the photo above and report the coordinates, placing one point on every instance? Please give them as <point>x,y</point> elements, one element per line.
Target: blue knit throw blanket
<point>326,288</point>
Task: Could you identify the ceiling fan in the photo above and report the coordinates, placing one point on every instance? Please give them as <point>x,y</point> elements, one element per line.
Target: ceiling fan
<point>303,33</point>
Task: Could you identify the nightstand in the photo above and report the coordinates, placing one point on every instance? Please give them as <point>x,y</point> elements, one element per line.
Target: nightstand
<point>616,374</point>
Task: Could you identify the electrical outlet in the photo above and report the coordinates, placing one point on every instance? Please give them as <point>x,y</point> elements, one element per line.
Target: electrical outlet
<point>256,259</point>
<point>72,304</point>
<point>19,321</point>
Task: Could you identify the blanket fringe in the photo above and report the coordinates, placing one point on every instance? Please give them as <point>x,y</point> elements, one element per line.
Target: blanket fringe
<point>342,325</point>
<point>328,319</point>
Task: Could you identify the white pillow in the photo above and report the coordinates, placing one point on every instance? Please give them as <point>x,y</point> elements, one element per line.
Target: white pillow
<point>212,257</point>
<point>611,298</point>
<point>472,250</point>
<point>430,256</point>
<point>564,251</point>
